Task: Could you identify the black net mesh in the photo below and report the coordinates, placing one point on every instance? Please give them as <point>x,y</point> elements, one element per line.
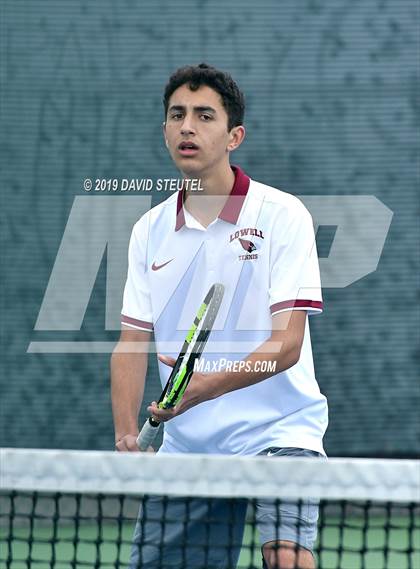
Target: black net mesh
<point>63,531</point>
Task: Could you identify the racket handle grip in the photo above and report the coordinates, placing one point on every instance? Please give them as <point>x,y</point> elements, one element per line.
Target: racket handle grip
<point>148,434</point>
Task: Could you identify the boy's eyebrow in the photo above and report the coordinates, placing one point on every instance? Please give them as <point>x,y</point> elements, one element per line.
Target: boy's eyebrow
<point>205,109</point>
<point>200,109</point>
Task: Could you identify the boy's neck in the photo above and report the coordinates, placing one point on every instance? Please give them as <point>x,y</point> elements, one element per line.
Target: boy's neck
<point>205,205</point>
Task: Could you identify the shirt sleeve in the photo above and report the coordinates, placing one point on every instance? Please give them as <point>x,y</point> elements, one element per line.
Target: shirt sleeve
<point>294,271</point>
<point>137,306</point>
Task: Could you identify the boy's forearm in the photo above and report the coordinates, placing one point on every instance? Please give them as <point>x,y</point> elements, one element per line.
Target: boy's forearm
<point>278,353</point>
<point>207,386</point>
<point>281,351</point>
<point>128,374</point>
<point>268,360</point>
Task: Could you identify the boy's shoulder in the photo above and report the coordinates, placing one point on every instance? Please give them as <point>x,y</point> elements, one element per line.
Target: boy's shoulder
<point>279,201</point>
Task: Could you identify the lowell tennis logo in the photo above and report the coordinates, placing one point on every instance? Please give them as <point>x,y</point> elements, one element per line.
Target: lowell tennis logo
<point>249,246</point>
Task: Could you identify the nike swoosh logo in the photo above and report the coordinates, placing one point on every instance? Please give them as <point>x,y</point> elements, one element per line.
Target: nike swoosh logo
<point>157,267</point>
<point>270,453</point>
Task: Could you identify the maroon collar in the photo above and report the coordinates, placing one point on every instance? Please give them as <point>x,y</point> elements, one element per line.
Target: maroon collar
<point>233,205</point>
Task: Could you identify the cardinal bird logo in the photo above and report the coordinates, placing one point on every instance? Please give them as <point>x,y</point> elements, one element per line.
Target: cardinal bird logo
<point>247,245</point>
<point>250,247</point>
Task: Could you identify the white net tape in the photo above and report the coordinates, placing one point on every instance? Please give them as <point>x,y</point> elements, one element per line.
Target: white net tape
<point>209,475</point>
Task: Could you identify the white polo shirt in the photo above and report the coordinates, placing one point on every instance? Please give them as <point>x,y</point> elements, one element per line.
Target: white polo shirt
<point>262,249</point>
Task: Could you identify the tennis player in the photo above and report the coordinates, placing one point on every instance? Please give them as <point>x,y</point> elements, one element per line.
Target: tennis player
<point>259,243</point>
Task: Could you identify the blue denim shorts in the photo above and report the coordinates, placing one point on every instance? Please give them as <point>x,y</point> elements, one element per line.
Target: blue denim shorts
<point>192,533</point>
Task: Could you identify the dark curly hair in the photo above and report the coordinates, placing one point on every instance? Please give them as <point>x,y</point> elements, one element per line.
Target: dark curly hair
<point>196,76</point>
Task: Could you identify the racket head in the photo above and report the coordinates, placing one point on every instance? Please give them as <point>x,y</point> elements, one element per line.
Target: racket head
<point>193,347</point>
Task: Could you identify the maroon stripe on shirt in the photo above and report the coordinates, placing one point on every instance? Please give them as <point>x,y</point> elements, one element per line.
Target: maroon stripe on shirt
<point>317,304</point>
<point>134,322</point>
<point>180,217</point>
<point>234,203</point>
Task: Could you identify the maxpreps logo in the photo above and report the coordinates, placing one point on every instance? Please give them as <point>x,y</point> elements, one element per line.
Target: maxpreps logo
<point>247,240</point>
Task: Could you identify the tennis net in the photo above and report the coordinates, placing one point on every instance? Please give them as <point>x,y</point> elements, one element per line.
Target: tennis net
<point>77,509</point>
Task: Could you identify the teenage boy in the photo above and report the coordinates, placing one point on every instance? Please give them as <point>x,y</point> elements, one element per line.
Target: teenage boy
<point>259,243</point>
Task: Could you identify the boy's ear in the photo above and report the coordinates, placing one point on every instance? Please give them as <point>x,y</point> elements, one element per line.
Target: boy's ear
<point>164,132</point>
<point>237,136</point>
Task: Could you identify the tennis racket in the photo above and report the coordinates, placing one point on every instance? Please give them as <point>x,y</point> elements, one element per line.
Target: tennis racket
<point>183,369</point>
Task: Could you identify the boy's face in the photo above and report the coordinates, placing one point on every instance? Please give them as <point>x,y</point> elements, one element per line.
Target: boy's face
<point>196,131</point>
